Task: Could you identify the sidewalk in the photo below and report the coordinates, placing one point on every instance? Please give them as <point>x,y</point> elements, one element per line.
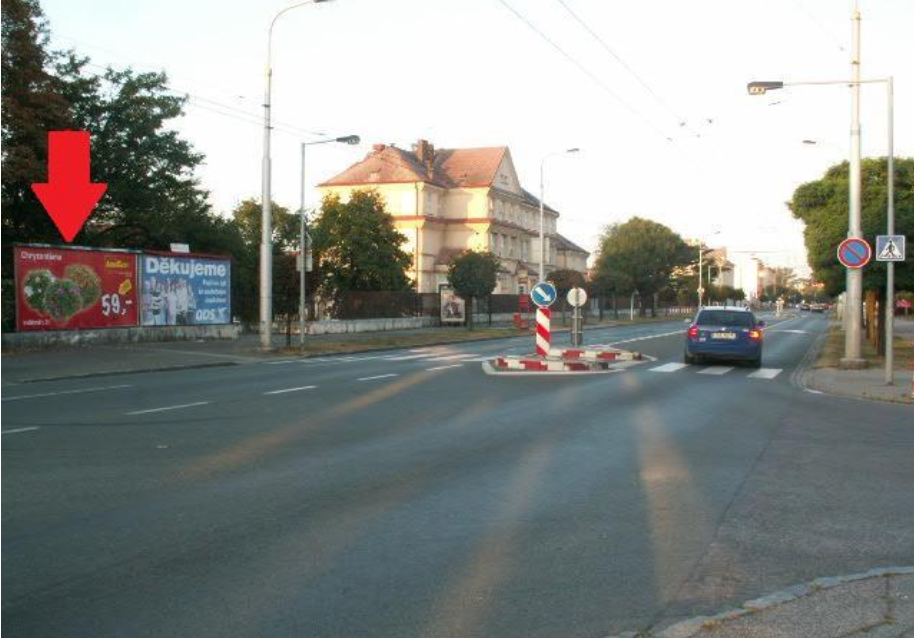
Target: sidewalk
<point>869,383</point>
<point>874,604</point>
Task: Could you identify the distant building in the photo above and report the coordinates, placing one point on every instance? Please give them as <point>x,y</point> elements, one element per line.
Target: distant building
<point>449,200</point>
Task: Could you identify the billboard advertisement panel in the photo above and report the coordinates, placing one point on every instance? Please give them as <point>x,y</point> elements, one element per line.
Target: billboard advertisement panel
<point>67,289</point>
<point>185,289</point>
<point>453,308</point>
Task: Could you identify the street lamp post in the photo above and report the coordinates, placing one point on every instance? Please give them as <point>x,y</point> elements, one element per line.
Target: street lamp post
<point>304,240</point>
<point>266,222</point>
<point>543,212</point>
<point>854,300</point>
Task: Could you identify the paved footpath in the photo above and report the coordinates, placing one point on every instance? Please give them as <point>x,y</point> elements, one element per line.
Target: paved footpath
<point>874,604</point>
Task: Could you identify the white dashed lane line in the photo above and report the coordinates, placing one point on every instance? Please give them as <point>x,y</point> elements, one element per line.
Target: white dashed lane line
<point>169,407</point>
<point>61,392</point>
<point>285,390</point>
<point>453,365</point>
<point>19,430</point>
<point>379,376</point>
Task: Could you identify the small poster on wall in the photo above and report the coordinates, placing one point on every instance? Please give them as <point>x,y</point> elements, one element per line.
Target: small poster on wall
<point>453,307</point>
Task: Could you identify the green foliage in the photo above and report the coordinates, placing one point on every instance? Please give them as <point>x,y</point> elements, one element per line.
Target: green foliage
<point>723,294</point>
<point>246,218</point>
<point>286,225</point>
<point>32,105</point>
<point>358,247</point>
<point>640,255</point>
<point>153,197</point>
<point>822,205</point>
<point>565,279</point>
<point>473,274</point>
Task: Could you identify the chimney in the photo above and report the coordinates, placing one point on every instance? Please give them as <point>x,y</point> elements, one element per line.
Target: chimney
<point>426,154</point>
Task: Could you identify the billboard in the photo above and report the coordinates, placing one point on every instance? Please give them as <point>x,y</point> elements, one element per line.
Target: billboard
<point>185,289</point>
<point>67,288</point>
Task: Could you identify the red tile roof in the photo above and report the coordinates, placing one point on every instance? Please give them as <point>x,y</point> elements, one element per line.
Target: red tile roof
<point>448,168</point>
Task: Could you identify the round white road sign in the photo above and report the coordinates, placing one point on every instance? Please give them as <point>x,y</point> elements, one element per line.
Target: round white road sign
<point>577,297</point>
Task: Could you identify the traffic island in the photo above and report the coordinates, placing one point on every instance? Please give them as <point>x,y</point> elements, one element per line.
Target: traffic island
<point>566,361</point>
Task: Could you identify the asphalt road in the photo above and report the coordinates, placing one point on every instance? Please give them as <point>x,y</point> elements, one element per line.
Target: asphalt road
<point>409,494</point>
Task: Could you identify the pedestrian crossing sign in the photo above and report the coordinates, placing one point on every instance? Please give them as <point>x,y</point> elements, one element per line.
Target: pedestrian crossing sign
<point>889,247</point>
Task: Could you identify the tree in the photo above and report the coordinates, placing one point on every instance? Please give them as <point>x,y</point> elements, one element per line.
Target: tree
<point>358,247</point>
<point>643,255</point>
<point>32,104</point>
<point>286,225</point>
<point>564,279</point>
<point>246,218</point>
<point>473,274</point>
<point>822,205</point>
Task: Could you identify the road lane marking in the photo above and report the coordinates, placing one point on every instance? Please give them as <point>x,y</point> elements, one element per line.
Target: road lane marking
<point>59,392</point>
<point>450,357</point>
<point>409,357</point>
<point>168,407</point>
<point>18,430</point>
<point>379,376</point>
<point>279,363</point>
<point>765,373</point>
<point>811,391</point>
<point>453,365</point>
<point>284,390</point>
<point>669,367</point>
<point>644,338</point>
<point>790,331</point>
<point>716,370</point>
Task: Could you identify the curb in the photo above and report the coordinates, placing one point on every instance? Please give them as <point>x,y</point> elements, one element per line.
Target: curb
<point>112,373</point>
<point>803,378</point>
<point>693,627</point>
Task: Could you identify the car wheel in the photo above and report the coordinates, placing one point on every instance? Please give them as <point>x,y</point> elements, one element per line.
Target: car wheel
<point>756,363</point>
<point>690,359</point>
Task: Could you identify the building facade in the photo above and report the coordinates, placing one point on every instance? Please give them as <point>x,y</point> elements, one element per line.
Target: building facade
<point>445,201</point>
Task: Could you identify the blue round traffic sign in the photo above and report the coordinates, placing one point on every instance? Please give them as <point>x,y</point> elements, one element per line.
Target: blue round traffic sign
<point>543,294</point>
<point>854,252</point>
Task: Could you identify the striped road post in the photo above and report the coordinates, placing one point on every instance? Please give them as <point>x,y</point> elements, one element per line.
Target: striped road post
<point>543,331</point>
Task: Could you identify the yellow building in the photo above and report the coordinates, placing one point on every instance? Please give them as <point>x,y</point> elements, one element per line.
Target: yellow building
<point>449,200</point>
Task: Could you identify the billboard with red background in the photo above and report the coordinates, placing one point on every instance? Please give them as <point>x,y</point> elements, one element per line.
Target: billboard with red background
<point>66,289</point>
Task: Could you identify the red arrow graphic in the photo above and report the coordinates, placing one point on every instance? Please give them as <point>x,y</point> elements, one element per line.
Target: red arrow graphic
<point>68,195</point>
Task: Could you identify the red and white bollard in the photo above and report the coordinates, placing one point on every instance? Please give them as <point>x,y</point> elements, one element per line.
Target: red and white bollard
<point>543,331</point>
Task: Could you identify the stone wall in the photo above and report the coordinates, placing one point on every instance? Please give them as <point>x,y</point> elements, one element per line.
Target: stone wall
<point>50,339</point>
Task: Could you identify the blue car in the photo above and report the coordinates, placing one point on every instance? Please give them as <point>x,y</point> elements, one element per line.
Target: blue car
<point>725,333</point>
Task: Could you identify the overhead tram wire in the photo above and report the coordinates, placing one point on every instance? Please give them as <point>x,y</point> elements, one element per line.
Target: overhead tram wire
<point>679,119</point>
<point>587,72</point>
<point>195,100</point>
<point>825,30</point>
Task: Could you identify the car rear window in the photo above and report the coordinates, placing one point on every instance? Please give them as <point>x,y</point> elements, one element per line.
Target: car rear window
<point>725,318</point>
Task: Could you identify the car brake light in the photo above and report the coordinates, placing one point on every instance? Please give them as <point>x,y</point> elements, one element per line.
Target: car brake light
<point>693,332</point>
<point>755,334</point>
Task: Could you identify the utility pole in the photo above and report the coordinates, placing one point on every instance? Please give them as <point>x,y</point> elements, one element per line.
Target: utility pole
<point>852,316</point>
<point>890,214</point>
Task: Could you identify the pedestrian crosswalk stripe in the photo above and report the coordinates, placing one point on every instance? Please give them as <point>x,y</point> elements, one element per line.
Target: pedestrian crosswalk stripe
<point>669,367</point>
<point>449,357</point>
<point>765,373</point>
<point>409,357</point>
<point>716,370</point>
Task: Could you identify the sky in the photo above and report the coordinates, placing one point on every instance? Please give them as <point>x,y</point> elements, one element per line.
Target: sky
<point>653,92</point>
